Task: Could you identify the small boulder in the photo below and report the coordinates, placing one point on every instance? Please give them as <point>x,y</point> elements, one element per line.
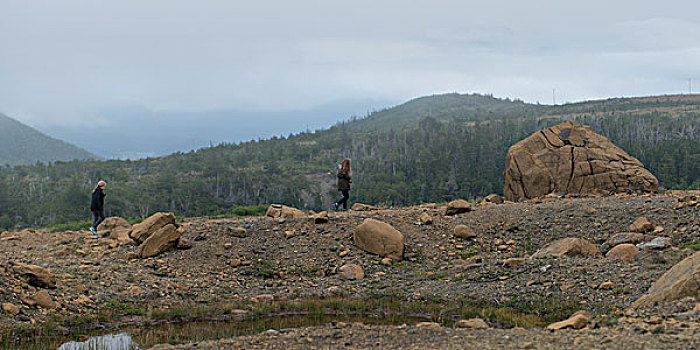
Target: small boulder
<point>577,321</point>
<point>625,237</point>
<point>379,238</point>
<point>464,231</point>
<point>321,218</point>
<point>276,211</point>
<point>160,241</point>
<point>428,325</point>
<point>457,207</point>
<point>658,243</point>
<point>41,298</point>
<point>239,232</point>
<point>426,219</point>
<point>36,275</point>
<point>514,262</point>
<point>111,225</point>
<point>641,225</point>
<point>475,323</point>
<point>569,247</point>
<point>682,280</point>
<point>11,309</point>
<point>493,198</point>
<point>141,231</point>
<point>606,285</point>
<point>625,252</point>
<point>351,272</point>
<point>363,207</point>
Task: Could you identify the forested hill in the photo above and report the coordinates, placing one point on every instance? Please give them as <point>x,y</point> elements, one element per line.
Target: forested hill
<point>430,149</point>
<point>21,144</point>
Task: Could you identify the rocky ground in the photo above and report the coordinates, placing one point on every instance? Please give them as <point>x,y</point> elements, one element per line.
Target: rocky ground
<point>291,259</point>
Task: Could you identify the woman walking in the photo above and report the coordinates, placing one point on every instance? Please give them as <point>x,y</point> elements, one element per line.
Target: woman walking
<point>344,180</point>
<point>97,206</point>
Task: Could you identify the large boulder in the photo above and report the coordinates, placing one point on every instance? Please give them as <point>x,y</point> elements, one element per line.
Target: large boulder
<point>116,228</point>
<point>682,280</point>
<point>141,231</point>
<point>160,241</point>
<point>379,238</point>
<point>625,252</point>
<point>569,247</point>
<point>40,298</point>
<point>571,158</point>
<point>36,275</point>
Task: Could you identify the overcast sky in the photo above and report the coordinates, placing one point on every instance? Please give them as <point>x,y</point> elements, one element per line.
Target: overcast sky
<point>62,62</point>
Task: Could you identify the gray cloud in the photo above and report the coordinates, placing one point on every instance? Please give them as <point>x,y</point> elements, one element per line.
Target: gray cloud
<point>62,61</point>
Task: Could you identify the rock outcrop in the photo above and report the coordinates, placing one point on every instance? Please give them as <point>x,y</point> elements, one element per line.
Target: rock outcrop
<point>680,281</point>
<point>571,158</point>
<point>379,238</point>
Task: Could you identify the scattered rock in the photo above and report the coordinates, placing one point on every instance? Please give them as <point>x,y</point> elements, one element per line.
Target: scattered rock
<point>458,206</point>
<point>40,298</point>
<point>363,207</point>
<point>625,237</point>
<point>379,238</point>
<point>183,244</point>
<point>464,231</point>
<point>472,323</point>
<point>351,272</point>
<point>427,324</point>
<point>606,285</point>
<point>36,275</point>
<point>282,211</point>
<point>321,218</point>
<point>141,231</point>
<point>426,219</point>
<point>571,158</point>
<point>10,308</point>
<point>657,243</point>
<point>680,281</point>
<point>494,198</point>
<point>577,321</point>
<point>262,298</point>
<point>239,232</point>
<point>569,247</point>
<point>160,241</point>
<point>514,262</point>
<point>625,252</point>
<point>116,228</point>
<point>641,225</point>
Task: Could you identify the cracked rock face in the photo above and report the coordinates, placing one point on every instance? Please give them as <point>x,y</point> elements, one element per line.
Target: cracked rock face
<point>571,158</point>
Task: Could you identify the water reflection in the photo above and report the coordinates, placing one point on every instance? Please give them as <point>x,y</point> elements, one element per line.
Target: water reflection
<point>120,341</point>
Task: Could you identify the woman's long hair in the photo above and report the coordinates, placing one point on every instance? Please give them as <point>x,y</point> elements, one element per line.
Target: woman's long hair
<point>345,166</point>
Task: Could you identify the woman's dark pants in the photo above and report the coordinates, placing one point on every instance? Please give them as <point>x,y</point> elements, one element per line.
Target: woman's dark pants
<point>344,200</point>
<point>97,217</point>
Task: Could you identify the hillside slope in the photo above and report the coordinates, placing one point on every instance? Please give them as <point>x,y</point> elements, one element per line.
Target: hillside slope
<point>401,156</point>
<point>20,144</point>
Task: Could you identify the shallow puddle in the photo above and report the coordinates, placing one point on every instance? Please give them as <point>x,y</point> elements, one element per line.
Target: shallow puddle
<point>132,338</point>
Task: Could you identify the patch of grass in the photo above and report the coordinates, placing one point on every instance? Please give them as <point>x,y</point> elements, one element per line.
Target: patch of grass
<point>695,245</point>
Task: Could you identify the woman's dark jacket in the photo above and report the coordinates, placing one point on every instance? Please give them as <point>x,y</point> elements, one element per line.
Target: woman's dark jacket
<point>98,199</point>
<point>344,181</point>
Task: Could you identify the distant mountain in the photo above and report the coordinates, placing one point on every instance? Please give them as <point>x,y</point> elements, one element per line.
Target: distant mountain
<point>139,132</point>
<point>20,145</point>
<point>430,149</point>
